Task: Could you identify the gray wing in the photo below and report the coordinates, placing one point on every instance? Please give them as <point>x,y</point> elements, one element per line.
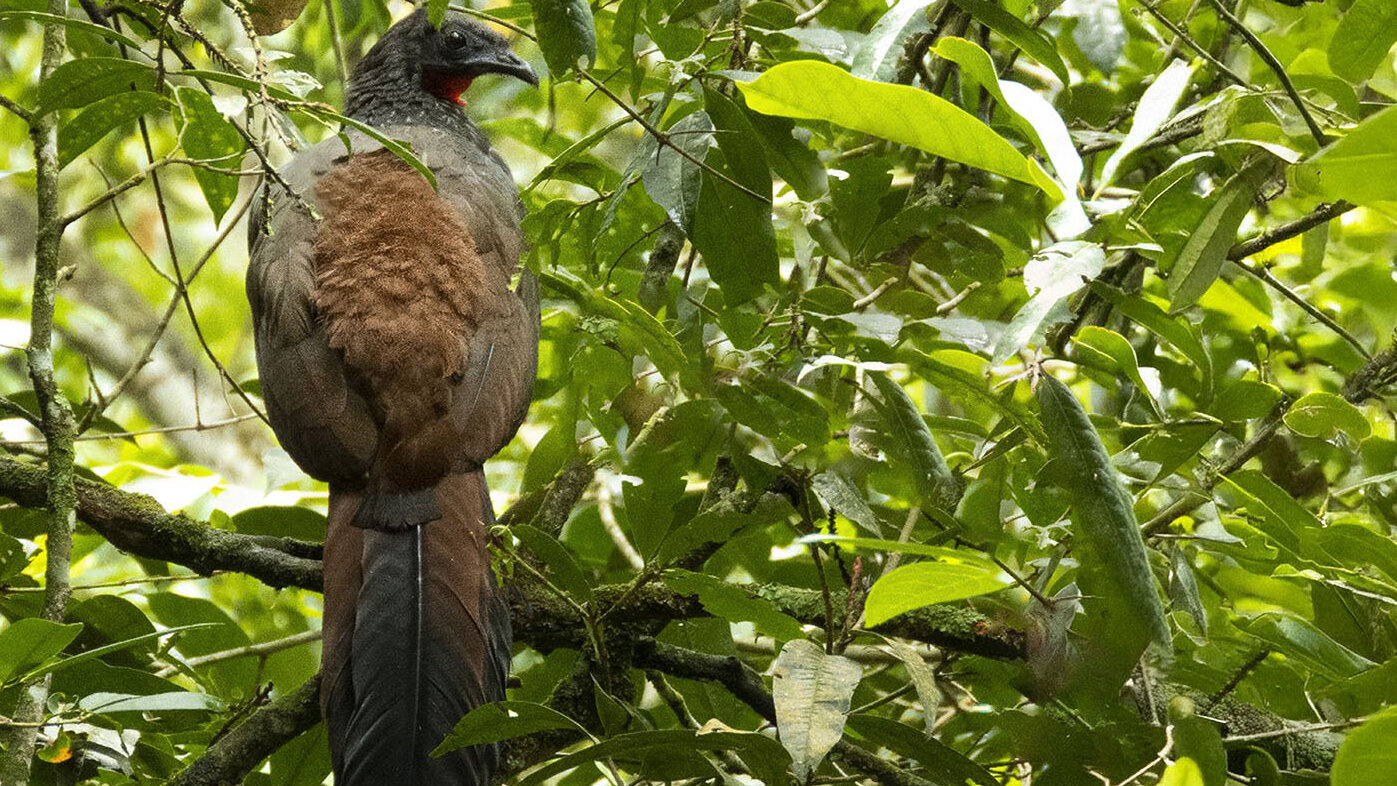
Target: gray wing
<point>319,418</point>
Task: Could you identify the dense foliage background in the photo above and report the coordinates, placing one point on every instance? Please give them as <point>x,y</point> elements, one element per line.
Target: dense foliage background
<point>873,333</point>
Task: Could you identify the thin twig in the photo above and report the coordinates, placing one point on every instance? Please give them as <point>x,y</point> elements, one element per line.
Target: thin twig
<point>1264,275</point>
<point>1181,34</point>
<point>1275,65</point>
<point>20,112</point>
<point>260,649</point>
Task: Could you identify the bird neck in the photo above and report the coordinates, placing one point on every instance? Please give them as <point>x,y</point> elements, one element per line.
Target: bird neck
<point>386,89</point>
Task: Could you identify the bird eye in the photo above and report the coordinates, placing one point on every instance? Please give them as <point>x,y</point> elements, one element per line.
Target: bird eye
<point>455,39</point>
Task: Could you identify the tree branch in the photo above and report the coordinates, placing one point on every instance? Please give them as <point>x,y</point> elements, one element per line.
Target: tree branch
<point>231,759</point>
<point>56,415</point>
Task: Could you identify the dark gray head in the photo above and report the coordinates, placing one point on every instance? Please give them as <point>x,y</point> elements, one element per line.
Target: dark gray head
<point>415,64</point>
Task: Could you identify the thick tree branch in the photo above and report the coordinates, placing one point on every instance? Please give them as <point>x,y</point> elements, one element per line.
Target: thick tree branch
<point>232,758</point>
<point>138,525</point>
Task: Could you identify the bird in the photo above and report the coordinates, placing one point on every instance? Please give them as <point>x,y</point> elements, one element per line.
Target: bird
<point>396,334</point>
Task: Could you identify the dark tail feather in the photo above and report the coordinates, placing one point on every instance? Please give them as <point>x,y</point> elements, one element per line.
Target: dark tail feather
<point>416,636</point>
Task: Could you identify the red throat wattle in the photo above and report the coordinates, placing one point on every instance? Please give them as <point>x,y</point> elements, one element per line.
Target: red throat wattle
<point>452,88</point>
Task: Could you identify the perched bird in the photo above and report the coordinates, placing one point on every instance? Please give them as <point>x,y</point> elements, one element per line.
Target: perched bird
<point>397,343</point>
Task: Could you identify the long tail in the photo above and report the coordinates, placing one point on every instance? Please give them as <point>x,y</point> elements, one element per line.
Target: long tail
<point>416,635</point>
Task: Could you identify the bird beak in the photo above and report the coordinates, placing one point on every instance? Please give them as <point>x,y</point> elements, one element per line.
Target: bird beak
<point>506,62</point>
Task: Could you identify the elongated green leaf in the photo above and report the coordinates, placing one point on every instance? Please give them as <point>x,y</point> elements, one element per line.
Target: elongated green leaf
<point>941,763</point>
<point>1154,110</point>
<point>1102,512</point>
<point>725,601</point>
<point>1300,639</point>
<point>910,441</point>
<point>812,691</point>
<point>99,652</point>
<point>926,583</point>
<point>732,228</point>
<point>640,333</point>
<point>1109,351</point>
<point>74,24</point>
<point>674,181</point>
<point>1201,259</point>
<point>678,747</point>
<point>78,83</point>
<point>177,701</point>
<point>1361,167</point>
<point>503,720</point>
<point>566,34</point>
<point>1365,33</point>
<point>1323,414</point>
<point>562,566</point>
<point>1172,329</point>
<point>208,136</point>
<point>1368,757</point>
<point>838,494</point>
<point>31,641</point>
<point>812,90</point>
<point>1033,43</point>
<point>99,118</point>
<point>397,148</point>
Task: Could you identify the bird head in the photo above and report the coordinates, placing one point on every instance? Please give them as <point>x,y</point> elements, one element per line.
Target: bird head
<point>447,58</point>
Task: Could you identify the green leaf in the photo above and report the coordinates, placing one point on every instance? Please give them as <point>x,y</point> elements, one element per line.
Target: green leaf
<point>838,494</point>
<point>1033,43</point>
<point>436,12</point>
<point>1109,351</point>
<point>882,49</point>
<point>812,691</point>
<point>73,24</point>
<point>1154,110</point>
<point>1183,772</point>
<point>177,701</point>
<point>1365,33</point>
<point>668,749</point>
<point>812,90</point>
<point>281,520</point>
<point>1298,638</point>
<point>1367,756</point>
<point>1102,511</point>
<point>1052,275</point>
<point>730,602</point>
<point>566,34</point>
<point>1182,335</point>
<point>908,439</point>
<point>398,149</point>
<point>563,569</point>
<point>32,641</point>
<point>732,228</point>
<point>926,583</point>
<point>1324,414</point>
<point>209,136</point>
<point>99,652</point>
<point>1200,261</point>
<point>941,763</point>
<point>673,181</point>
<point>1361,167</point>
<point>504,720</point>
<point>78,83</point>
<point>640,333</point>
<point>1245,399</point>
